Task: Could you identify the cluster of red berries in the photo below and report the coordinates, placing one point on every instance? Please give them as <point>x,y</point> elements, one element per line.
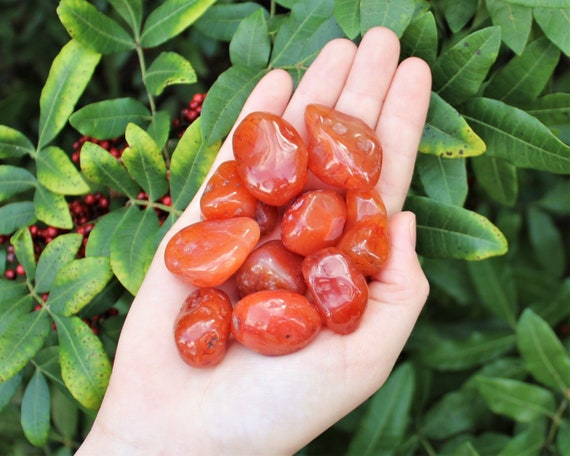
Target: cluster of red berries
<point>188,114</point>
<point>162,214</point>
<point>115,146</point>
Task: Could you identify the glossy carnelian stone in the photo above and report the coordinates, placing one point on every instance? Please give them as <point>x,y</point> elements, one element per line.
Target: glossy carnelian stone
<point>364,206</point>
<point>202,327</point>
<point>266,217</point>
<point>271,157</point>
<point>367,245</point>
<point>343,150</point>
<point>338,289</point>
<point>275,322</point>
<point>225,196</point>
<point>313,221</point>
<point>271,267</point>
<point>207,253</point>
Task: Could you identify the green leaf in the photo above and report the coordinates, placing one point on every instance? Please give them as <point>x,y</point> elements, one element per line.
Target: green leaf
<point>14,308</point>
<point>540,3</point>
<point>545,356</point>
<point>458,13</point>
<point>159,128</point>
<point>108,119</point>
<point>92,28</point>
<point>460,70</point>
<point>52,209</point>
<point>446,231</point>
<point>170,19</point>
<point>515,22</point>
<point>9,388</point>
<point>69,74</point>
<point>130,11</point>
<point>225,100</point>
<point>16,215</point>
<point>347,14</point>
<point>554,23</point>
<point>21,341</point>
<point>447,134</point>
<point>24,250</point>
<point>64,413</point>
<point>529,442</point>
<point>518,400</point>
<point>551,109</point>
<point>386,420</point>
<point>546,241</point>
<point>85,367</point>
<point>99,243</point>
<point>59,252</point>
<point>451,276</point>
<point>221,21</point>
<point>101,167</point>
<point>554,309</point>
<point>167,69</point>
<point>443,179</point>
<point>498,177</point>
<point>514,135</point>
<point>145,163</point>
<point>77,283</point>
<point>563,436</point>
<point>420,38</point>
<point>524,77</point>
<point>133,247</point>
<point>35,416</point>
<point>14,144</point>
<point>190,163</point>
<point>251,44</point>
<point>57,173</point>
<point>394,15</point>
<point>47,360</point>
<point>14,180</point>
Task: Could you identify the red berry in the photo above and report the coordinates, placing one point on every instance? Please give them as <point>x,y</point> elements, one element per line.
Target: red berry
<point>20,270</point>
<point>10,274</point>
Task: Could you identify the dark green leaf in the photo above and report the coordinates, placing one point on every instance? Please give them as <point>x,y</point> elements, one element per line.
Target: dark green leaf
<point>554,23</point>
<point>225,100</point>
<point>9,388</point>
<point>347,14</point>
<point>451,276</point>
<point>70,72</point>
<point>514,135</point>
<point>386,420</point>
<point>540,3</point>
<point>14,180</point>
<point>130,11</point>
<point>159,128</point>
<point>14,144</point>
<point>145,163</point>
<point>547,242</point>
<point>35,417</point>
<point>394,15</point>
<point>57,173</point>
<point>101,167</point>
<point>16,215</point>
<point>52,209</point>
<point>524,77</point>
<point>167,69</point>
<point>460,70</point>
<point>85,368</point>
<point>545,356</point>
<point>191,161</point>
<point>170,19</point>
<point>251,44</point>
<point>133,247</point>
<point>221,21</point>
<point>65,413</point>
<point>11,290</point>
<point>498,177</point>
<point>515,22</point>
<point>108,119</point>
<point>459,12</point>
<point>443,179</point>
<point>420,38</point>
<point>446,231</point>
<point>554,309</point>
<point>92,28</point>
<point>99,243</point>
<point>15,307</point>
<point>563,436</point>
<point>551,109</point>
<point>21,341</point>
<point>59,252</point>
<point>47,360</point>
<point>24,250</point>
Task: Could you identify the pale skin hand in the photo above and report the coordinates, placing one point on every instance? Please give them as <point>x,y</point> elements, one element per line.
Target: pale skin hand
<point>252,404</point>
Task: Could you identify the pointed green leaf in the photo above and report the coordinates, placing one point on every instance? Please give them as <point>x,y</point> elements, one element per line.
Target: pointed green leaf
<point>57,173</point>
<point>56,254</point>
<point>11,290</point>
<point>171,18</point>
<point>394,15</point>
<point>47,360</point>
<point>554,23</point>
<point>446,231</point>
<point>540,3</point>
<point>167,69</point>
<point>514,135</point>
<point>108,119</point>
<point>70,72</point>
<point>99,242</point>
<point>420,38</point>
<point>551,109</point>
<point>251,44</point>
<point>190,163</point>
<point>554,309</point>
<point>131,11</point>
<point>498,177</point>
<point>447,134</point>
<point>387,417</point>
<point>547,241</point>
<point>451,276</point>
<point>529,441</point>
<point>145,163</point>
<point>85,367</point>
<point>101,167</point>
<point>14,144</point>
<point>16,215</point>
<point>64,413</point>
<point>24,250</point>
<point>459,71</point>
<point>9,388</point>
<point>225,100</point>
<point>15,307</point>
<point>21,341</point>
<point>14,180</point>
<point>443,179</point>
<point>221,21</point>
<point>159,128</point>
<point>347,14</point>
<point>515,22</point>
<point>77,283</point>
<point>35,416</point>
<point>563,436</point>
<point>524,77</point>
<point>459,12</point>
<point>545,356</point>
<point>133,247</point>
<point>52,209</point>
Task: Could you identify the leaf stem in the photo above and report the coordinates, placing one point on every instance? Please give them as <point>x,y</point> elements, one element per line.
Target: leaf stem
<point>140,55</point>
<point>556,419</point>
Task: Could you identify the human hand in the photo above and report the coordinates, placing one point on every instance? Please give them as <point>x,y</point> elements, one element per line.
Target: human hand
<point>254,404</point>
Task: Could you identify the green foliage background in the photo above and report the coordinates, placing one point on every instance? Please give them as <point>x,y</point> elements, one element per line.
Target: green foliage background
<point>487,370</point>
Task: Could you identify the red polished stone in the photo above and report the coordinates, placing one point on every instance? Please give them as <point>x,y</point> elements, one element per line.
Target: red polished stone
<point>367,245</point>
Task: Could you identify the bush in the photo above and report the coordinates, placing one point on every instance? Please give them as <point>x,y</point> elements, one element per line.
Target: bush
<point>97,170</point>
